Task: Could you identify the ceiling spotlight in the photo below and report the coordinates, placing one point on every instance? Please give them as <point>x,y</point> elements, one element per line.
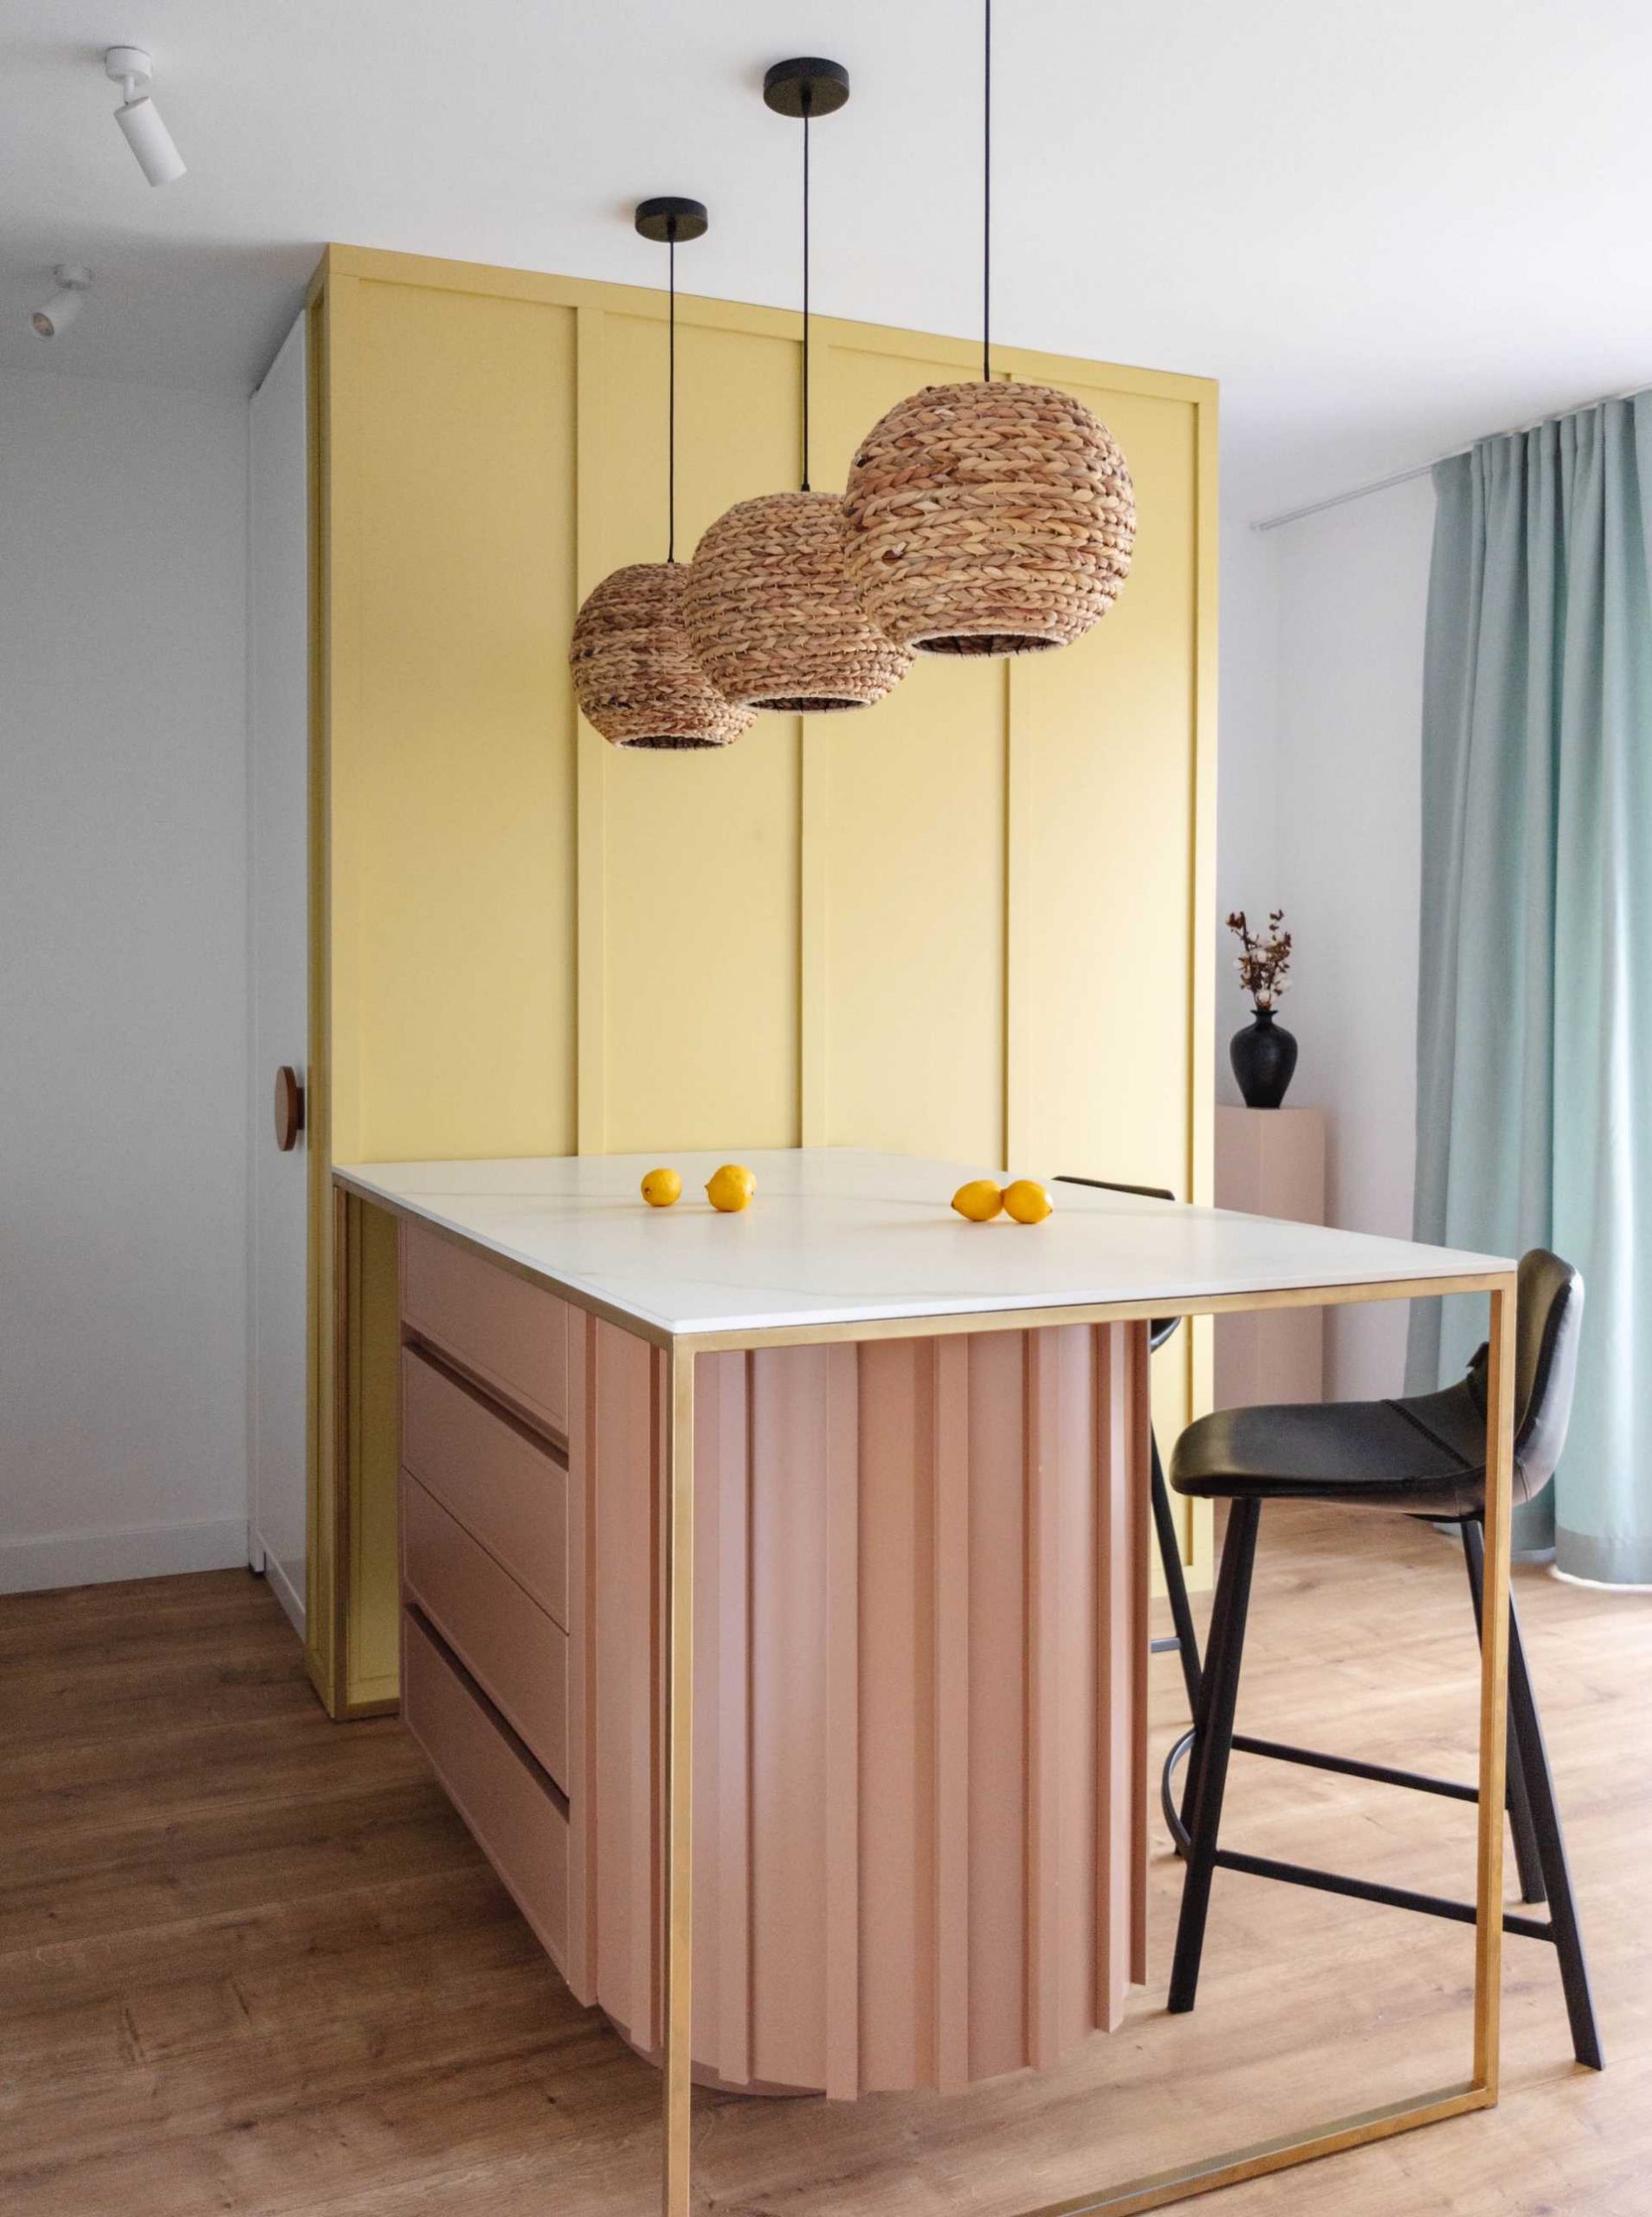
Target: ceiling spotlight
<point>158,157</point>
<point>54,318</point>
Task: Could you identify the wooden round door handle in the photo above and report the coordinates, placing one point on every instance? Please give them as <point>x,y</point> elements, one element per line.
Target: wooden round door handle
<point>289,1108</point>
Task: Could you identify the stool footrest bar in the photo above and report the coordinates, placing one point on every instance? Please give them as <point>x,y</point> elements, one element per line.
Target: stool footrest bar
<point>1367,1889</point>
<point>1347,1766</point>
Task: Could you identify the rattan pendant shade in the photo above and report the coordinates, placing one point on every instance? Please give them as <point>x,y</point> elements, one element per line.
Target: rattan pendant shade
<point>988,518</point>
<point>773,617</point>
<point>634,673</point>
<point>771,613</point>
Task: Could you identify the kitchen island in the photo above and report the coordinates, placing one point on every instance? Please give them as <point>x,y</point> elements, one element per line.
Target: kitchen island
<point>816,1537</point>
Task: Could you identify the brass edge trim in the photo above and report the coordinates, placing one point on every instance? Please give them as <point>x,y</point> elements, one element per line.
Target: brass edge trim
<point>1493,1686</point>
<point>678,1904</point>
<point>1282,2153</point>
<point>1102,1312</point>
<point>1129,2198</point>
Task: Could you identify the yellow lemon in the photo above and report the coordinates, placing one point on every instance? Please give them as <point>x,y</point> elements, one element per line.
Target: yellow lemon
<point>980,1200</point>
<point>730,1188</point>
<point>1027,1201</point>
<point>660,1188</point>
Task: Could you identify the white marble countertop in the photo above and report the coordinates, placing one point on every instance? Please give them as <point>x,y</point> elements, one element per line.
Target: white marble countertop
<point>837,1235</point>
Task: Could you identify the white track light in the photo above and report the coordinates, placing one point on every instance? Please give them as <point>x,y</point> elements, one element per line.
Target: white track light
<point>158,157</point>
<point>54,318</point>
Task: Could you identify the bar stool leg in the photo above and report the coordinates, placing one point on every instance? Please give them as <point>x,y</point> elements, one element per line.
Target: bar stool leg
<point>1213,1747</point>
<point>1527,1860</point>
<point>1563,1909</point>
<point>1196,1739</point>
<point>1170,1557</point>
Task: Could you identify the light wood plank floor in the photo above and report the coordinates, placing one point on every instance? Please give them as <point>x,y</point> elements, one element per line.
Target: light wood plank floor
<point>249,1962</point>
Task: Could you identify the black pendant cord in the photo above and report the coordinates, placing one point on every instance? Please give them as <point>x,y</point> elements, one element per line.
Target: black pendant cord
<point>986,207</point>
<point>806,104</point>
<point>671,400</point>
<point>667,220</point>
<point>803,87</point>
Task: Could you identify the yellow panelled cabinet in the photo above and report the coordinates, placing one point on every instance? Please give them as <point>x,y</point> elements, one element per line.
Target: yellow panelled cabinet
<point>968,922</point>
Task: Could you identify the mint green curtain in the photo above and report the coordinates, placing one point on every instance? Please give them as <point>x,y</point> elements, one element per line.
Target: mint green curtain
<point>1534,1033</point>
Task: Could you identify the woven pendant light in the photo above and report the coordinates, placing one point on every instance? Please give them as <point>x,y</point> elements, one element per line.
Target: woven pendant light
<point>988,518</point>
<point>634,670</point>
<point>634,673</point>
<point>771,614</point>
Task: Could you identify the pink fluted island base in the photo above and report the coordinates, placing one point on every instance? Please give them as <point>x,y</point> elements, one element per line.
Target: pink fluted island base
<point>922,1639</point>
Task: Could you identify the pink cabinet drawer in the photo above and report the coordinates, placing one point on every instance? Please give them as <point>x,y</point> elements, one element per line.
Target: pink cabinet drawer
<point>516,1821</point>
<point>517,1653</point>
<point>506,1490</point>
<point>511,1335</point>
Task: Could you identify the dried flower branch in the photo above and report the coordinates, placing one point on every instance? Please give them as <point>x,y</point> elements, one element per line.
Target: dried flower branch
<point>1264,958</point>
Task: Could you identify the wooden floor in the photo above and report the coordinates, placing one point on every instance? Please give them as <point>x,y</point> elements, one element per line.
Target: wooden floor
<point>250,1963</point>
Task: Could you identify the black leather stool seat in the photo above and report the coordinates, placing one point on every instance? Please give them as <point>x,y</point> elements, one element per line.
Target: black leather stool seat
<point>1425,1455</point>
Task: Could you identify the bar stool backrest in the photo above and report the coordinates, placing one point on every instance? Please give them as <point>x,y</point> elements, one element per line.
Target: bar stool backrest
<point>1548,1323</point>
<point>1548,1326</point>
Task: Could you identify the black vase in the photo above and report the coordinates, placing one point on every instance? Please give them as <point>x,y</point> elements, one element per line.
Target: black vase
<point>1264,1060</point>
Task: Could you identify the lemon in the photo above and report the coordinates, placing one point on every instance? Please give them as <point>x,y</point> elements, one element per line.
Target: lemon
<point>660,1188</point>
<point>980,1200</point>
<point>1027,1201</point>
<point>731,1188</point>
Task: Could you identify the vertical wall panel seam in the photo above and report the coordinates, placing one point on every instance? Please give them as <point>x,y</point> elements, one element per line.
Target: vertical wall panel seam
<point>1017,817</point>
<point>591,766</point>
<point>814,799</point>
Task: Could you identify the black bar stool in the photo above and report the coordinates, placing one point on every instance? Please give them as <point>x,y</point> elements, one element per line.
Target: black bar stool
<point>1183,1642</point>
<point>1426,1457</point>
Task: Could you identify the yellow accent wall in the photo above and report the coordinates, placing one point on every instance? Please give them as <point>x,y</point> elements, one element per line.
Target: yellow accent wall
<point>967,922</point>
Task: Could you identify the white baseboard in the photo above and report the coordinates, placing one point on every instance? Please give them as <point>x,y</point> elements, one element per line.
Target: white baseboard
<point>286,1592</point>
<point>99,1558</point>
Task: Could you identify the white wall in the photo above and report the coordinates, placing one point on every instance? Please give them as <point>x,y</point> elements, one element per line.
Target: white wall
<point>1248,860</point>
<point>1344,594</point>
<point>122,981</point>
<point>1352,599</point>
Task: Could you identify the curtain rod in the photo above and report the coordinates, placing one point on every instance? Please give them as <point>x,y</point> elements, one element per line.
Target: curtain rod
<point>1422,469</point>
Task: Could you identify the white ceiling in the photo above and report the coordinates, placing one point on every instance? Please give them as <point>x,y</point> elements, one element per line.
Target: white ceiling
<point>1385,229</point>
